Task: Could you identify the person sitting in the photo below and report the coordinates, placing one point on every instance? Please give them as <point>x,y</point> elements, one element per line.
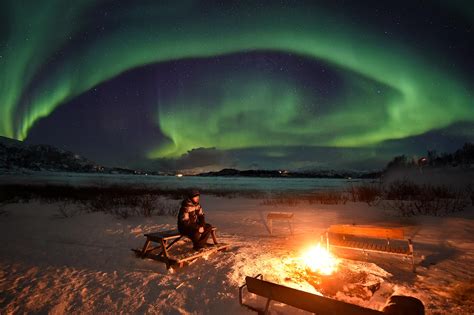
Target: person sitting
<point>191,222</point>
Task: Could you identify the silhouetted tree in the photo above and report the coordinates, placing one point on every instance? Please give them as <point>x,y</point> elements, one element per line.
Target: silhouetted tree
<point>462,157</point>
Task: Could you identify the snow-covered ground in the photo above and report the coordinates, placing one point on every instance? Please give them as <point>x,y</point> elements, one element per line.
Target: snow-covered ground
<point>83,264</point>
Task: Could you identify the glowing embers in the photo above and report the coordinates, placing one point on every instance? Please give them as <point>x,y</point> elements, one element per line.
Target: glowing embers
<point>319,260</point>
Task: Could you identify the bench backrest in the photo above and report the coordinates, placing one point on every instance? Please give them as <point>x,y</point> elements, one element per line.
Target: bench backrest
<point>368,231</point>
<point>304,300</point>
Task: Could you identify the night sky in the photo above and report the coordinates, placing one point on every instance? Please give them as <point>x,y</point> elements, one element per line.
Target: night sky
<point>204,85</point>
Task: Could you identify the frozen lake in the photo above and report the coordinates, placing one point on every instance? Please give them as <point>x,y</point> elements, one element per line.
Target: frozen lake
<point>173,182</point>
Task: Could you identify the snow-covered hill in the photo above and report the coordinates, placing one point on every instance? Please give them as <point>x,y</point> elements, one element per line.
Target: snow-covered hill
<point>16,156</point>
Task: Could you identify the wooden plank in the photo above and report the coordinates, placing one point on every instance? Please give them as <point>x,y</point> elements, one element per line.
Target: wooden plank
<point>343,242</point>
<point>353,244</point>
<point>403,250</point>
<point>280,215</point>
<point>369,231</point>
<point>166,235</point>
<point>304,300</point>
<point>169,238</point>
<point>369,250</point>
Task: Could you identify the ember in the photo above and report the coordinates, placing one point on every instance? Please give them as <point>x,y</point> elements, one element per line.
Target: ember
<point>319,260</point>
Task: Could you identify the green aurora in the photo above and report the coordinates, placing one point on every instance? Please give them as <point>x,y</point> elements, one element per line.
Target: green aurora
<point>422,92</point>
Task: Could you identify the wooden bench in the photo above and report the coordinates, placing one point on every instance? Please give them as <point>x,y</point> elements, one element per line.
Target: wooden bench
<point>165,240</point>
<point>281,216</point>
<point>370,239</point>
<point>311,302</point>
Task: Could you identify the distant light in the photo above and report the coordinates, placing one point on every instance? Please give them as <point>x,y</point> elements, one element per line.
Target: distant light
<point>179,175</point>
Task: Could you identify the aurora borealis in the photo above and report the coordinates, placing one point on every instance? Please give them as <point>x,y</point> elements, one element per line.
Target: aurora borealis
<point>266,83</point>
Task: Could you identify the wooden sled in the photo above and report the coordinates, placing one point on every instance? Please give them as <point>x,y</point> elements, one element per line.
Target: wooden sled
<point>163,251</point>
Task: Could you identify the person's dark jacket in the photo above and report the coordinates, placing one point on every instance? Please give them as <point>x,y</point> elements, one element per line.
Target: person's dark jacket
<point>190,217</point>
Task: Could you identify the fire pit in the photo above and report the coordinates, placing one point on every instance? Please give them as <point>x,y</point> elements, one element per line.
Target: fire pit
<point>319,260</point>
<point>329,274</point>
<point>315,270</point>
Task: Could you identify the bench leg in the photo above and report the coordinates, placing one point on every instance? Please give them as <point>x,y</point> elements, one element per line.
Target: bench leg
<point>164,252</point>
<point>241,294</point>
<point>270,225</point>
<point>174,241</point>
<point>145,247</point>
<point>267,306</point>
<point>241,300</point>
<point>291,227</point>
<point>410,246</point>
<point>170,244</point>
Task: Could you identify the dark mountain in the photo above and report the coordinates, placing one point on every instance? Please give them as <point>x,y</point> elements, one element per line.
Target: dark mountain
<point>16,155</point>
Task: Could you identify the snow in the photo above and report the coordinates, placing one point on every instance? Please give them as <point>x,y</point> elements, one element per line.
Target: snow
<point>84,264</point>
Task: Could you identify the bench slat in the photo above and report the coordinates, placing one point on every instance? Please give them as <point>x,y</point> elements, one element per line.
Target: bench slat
<point>375,232</point>
<point>404,253</point>
<point>280,215</point>
<point>304,300</point>
<point>163,234</point>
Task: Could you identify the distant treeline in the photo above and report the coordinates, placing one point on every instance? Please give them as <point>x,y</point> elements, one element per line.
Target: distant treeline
<point>463,157</point>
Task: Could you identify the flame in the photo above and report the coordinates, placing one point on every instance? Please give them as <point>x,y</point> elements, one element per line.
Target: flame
<point>319,260</point>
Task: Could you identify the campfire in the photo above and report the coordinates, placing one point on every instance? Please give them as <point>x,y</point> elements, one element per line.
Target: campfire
<point>318,260</point>
<point>328,274</point>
